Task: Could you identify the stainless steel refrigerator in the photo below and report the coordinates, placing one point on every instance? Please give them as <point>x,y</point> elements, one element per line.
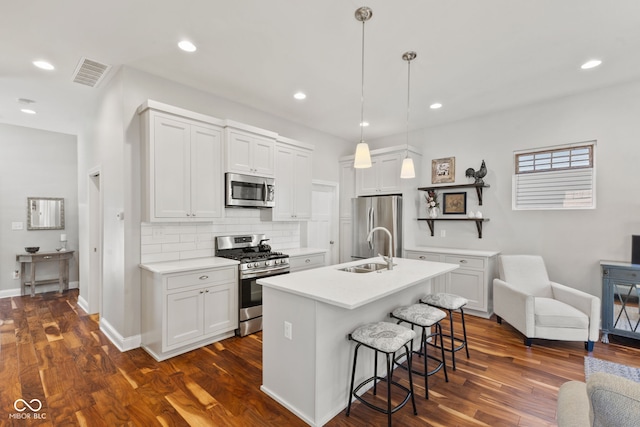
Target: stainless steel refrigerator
<point>377,211</point>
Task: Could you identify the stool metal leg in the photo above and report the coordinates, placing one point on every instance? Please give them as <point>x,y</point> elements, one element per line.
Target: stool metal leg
<point>453,351</point>
<point>353,378</point>
<point>464,332</point>
<point>389,374</point>
<point>444,364</point>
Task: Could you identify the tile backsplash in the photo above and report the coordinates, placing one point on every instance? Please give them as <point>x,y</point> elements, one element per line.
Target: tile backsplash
<point>185,240</point>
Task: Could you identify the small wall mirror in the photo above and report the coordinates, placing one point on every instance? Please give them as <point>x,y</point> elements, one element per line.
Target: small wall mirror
<point>45,213</point>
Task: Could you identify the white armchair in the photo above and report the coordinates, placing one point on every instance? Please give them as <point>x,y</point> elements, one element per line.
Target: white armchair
<point>539,308</point>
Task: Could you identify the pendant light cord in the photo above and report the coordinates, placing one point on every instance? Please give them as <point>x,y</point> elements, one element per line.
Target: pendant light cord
<point>362,90</point>
<point>408,102</point>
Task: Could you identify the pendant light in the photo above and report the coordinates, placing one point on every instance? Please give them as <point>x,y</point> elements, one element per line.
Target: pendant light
<point>362,157</point>
<point>408,171</point>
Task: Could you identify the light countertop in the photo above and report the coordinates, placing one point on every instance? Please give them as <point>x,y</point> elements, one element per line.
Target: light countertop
<point>353,290</point>
<point>165,267</point>
<point>453,251</point>
<point>293,252</point>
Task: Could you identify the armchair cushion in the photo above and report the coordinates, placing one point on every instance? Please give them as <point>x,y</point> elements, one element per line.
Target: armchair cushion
<point>527,272</point>
<point>551,313</point>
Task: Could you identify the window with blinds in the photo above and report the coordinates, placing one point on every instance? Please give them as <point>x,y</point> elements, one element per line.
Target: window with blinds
<point>556,178</point>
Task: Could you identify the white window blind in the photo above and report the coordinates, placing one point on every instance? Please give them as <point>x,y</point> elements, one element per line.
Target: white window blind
<point>559,178</point>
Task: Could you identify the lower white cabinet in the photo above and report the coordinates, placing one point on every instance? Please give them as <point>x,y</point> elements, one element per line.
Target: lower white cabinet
<point>187,310</point>
<point>473,279</point>
<point>306,262</point>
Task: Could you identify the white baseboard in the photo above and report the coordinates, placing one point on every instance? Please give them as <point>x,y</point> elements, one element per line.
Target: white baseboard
<point>83,303</point>
<point>15,292</point>
<point>122,343</point>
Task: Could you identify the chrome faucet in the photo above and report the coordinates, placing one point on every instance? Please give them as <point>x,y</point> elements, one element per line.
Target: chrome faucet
<point>389,259</point>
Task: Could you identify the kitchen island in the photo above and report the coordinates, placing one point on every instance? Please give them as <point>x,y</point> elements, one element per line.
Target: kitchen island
<point>307,317</point>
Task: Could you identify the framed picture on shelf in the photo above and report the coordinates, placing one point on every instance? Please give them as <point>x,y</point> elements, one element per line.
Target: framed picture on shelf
<point>443,170</point>
<point>454,203</point>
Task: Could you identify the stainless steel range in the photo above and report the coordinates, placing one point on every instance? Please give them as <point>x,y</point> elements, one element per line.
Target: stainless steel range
<point>257,260</point>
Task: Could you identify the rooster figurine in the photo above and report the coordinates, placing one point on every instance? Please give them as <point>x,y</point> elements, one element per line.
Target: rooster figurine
<point>478,175</point>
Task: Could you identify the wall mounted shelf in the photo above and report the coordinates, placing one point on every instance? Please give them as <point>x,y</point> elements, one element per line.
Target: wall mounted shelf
<point>478,222</point>
<point>478,188</point>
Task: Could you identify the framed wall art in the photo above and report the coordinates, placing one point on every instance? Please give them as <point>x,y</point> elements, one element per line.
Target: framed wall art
<point>454,203</point>
<point>443,170</point>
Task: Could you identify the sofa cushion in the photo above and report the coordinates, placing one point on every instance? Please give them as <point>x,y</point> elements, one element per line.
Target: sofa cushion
<point>555,314</point>
<point>615,401</point>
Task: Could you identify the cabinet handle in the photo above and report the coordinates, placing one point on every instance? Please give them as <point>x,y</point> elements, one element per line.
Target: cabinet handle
<point>202,292</point>
<point>307,260</point>
<point>207,291</point>
<point>193,214</point>
<point>204,277</point>
<point>47,257</point>
<point>188,214</point>
<point>463,261</point>
<point>422,257</point>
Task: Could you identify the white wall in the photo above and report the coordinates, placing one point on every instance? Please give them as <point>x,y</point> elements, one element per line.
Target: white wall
<point>113,143</point>
<point>35,163</point>
<point>572,242</point>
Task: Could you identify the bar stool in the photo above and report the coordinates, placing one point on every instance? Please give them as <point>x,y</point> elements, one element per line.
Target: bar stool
<point>424,317</point>
<point>387,338</point>
<point>450,302</point>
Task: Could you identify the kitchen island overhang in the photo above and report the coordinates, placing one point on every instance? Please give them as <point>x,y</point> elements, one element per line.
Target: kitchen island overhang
<point>307,318</point>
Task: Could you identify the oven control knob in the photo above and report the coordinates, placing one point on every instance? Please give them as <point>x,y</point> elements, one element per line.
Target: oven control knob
<point>255,264</point>
<point>267,263</point>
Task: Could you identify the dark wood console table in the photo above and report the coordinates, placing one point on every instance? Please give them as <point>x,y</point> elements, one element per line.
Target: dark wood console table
<point>61,257</point>
<point>620,304</point>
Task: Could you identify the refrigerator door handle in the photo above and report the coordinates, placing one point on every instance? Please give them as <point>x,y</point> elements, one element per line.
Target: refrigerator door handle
<point>370,220</point>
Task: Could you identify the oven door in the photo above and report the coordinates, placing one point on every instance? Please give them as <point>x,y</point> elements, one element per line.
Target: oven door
<point>249,191</point>
<point>251,294</point>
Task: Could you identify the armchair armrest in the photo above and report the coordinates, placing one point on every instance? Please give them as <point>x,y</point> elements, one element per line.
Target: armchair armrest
<point>514,306</point>
<point>586,303</point>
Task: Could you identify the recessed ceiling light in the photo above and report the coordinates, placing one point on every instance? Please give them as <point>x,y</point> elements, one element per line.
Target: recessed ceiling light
<point>591,64</point>
<point>435,106</point>
<point>27,111</point>
<point>364,124</point>
<point>299,95</point>
<point>44,65</point>
<point>187,46</point>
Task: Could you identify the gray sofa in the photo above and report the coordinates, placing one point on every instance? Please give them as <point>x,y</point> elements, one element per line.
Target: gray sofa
<point>605,400</point>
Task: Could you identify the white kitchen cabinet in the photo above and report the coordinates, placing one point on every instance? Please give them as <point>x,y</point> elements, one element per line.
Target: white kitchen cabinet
<point>249,150</point>
<point>186,310</point>
<point>383,177</point>
<point>293,173</point>
<point>306,261</point>
<point>473,279</point>
<point>182,166</point>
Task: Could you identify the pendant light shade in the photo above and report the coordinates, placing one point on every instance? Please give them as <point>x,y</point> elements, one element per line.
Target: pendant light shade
<point>362,157</point>
<point>408,171</point>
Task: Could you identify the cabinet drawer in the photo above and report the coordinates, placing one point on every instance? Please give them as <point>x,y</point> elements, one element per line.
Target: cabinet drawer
<point>203,277</point>
<point>622,274</point>
<point>465,261</point>
<point>423,256</point>
<point>305,262</point>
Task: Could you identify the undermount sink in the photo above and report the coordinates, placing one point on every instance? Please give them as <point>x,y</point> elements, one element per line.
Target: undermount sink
<point>365,268</point>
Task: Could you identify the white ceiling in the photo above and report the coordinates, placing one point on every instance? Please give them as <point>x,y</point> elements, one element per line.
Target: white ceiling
<point>475,57</point>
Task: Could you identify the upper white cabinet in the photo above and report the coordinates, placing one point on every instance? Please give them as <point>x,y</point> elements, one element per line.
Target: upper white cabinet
<point>249,150</point>
<point>383,177</point>
<point>182,179</point>
<point>293,165</point>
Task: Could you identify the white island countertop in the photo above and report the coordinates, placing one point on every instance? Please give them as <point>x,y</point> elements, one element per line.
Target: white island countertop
<point>353,290</point>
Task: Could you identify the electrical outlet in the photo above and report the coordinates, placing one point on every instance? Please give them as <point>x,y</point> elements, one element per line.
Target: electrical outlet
<point>443,233</point>
<point>288,330</point>
<point>16,274</point>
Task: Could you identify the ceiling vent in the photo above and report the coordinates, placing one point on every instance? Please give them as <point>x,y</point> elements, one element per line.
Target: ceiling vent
<point>90,73</point>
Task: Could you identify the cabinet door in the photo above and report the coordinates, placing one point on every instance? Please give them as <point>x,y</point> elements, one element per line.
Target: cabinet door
<point>367,180</point>
<point>239,152</point>
<point>347,188</point>
<point>206,173</point>
<point>185,316</point>
<point>470,285</point>
<point>221,308</point>
<point>284,208</point>
<point>170,168</point>
<point>263,156</point>
<point>388,173</point>
<point>302,184</point>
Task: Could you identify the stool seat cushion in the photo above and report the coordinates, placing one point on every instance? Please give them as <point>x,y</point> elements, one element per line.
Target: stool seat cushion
<point>384,336</point>
<point>444,300</point>
<point>419,314</point>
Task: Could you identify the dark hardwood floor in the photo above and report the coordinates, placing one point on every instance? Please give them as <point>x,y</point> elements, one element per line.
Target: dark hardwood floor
<point>52,351</point>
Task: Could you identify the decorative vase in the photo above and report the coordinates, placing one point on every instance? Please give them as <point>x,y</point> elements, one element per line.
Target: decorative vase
<point>433,212</point>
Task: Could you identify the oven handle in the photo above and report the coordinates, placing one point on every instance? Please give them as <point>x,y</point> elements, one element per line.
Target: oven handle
<point>264,273</point>
<point>264,191</point>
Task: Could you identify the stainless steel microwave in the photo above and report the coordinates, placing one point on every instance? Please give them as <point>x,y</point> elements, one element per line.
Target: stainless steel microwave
<point>249,191</point>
